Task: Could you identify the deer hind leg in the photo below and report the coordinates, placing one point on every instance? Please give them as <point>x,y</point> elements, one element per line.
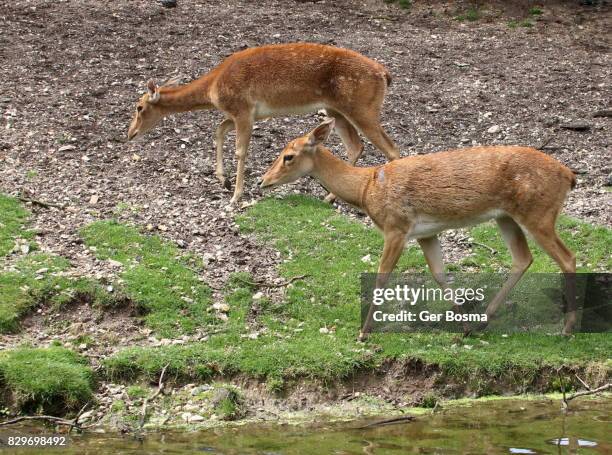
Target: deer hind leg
<point>521,260</point>
<point>368,122</point>
<point>224,127</point>
<point>244,128</point>
<point>546,236</point>
<point>394,245</point>
<point>350,138</point>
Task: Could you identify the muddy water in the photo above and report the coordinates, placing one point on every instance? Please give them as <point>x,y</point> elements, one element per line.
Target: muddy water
<point>504,426</point>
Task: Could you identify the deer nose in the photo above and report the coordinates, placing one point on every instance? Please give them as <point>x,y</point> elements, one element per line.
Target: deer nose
<point>259,182</point>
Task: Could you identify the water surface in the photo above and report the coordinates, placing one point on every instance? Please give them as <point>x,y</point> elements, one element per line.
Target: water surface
<point>491,427</point>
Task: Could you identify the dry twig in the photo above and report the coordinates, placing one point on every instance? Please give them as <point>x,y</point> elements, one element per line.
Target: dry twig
<point>262,284</point>
<point>145,403</point>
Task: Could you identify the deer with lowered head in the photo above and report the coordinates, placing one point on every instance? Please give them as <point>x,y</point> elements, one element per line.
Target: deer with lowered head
<point>420,196</point>
<point>279,80</point>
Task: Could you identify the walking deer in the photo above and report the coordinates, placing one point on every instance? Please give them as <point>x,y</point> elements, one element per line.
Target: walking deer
<point>418,197</point>
<point>279,80</point>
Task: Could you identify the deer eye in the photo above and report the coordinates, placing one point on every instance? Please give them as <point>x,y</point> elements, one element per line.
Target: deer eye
<point>139,108</point>
<point>287,158</point>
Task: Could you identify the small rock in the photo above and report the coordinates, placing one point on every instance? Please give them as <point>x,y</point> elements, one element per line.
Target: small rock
<point>66,148</point>
<point>200,389</point>
<point>223,307</point>
<point>115,264</point>
<point>86,416</point>
<point>494,129</point>
<point>258,295</point>
<point>196,418</point>
<point>162,227</point>
<point>25,248</point>
<point>367,259</point>
<point>323,330</point>
<point>93,200</point>
<point>41,271</point>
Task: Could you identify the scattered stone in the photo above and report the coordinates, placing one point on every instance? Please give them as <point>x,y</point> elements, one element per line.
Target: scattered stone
<point>223,307</point>
<point>258,295</point>
<point>494,129</point>
<point>93,200</point>
<point>66,148</point>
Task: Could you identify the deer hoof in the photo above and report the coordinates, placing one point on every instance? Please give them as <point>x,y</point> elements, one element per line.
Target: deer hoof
<point>226,184</point>
<point>362,337</point>
<point>330,198</point>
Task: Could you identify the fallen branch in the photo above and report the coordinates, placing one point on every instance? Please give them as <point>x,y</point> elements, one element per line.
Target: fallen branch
<point>584,393</point>
<point>40,203</point>
<point>160,387</point>
<point>263,284</point>
<point>72,423</point>
<point>53,419</point>
<point>393,421</point>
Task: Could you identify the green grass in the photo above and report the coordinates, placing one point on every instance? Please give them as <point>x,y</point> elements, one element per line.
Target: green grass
<point>13,217</point>
<point>157,277</point>
<point>52,380</point>
<point>35,278</point>
<point>404,4</point>
<point>591,244</point>
<point>329,247</point>
<point>522,23</point>
<point>535,11</point>
<point>472,15</point>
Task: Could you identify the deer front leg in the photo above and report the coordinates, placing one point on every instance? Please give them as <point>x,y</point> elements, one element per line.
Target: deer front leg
<point>244,128</point>
<point>224,127</point>
<point>394,245</point>
<point>432,251</point>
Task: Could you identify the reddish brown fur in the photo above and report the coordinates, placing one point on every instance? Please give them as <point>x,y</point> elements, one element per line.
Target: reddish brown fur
<point>277,80</point>
<point>418,197</point>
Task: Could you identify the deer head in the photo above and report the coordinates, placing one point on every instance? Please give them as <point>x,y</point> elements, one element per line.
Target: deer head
<point>297,158</point>
<point>148,112</point>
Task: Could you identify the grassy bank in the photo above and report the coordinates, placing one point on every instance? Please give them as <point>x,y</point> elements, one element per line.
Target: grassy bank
<point>52,381</point>
<point>310,333</point>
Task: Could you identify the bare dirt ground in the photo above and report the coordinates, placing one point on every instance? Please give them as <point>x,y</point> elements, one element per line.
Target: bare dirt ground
<point>73,70</point>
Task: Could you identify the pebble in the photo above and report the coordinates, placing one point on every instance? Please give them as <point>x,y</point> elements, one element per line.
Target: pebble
<point>494,129</point>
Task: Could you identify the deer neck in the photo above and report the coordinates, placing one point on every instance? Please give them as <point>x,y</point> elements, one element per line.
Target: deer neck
<point>347,182</point>
<point>187,97</point>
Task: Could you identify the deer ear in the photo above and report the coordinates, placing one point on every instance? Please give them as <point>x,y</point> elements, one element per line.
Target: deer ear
<point>153,91</point>
<point>320,134</point>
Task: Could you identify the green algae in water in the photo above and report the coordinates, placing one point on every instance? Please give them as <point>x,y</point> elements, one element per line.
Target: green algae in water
<point>493,427</point>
